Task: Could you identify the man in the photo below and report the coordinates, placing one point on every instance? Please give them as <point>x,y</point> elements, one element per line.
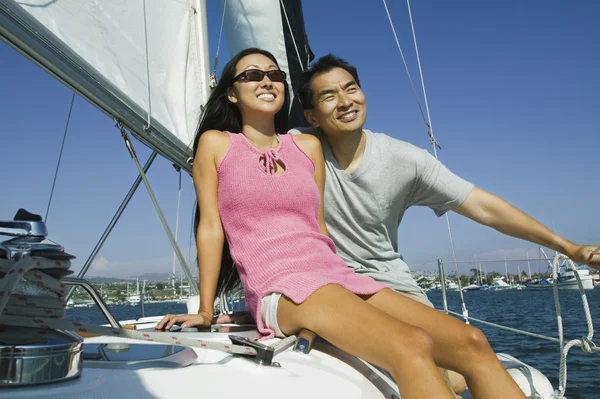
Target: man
<point>372,179</point>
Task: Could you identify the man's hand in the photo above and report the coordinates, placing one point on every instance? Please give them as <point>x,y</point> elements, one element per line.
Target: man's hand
<point>586,255</point>
<point>185,320</point>
<point>236,318</point>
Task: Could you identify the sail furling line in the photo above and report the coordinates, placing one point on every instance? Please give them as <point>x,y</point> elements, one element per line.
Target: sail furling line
<point>412,85</point>
<point>427,120</point>
<point>435,146</point>
<point>213,76</point>
<point>59,158</point>
<point>148,124</point>
<point>434,142</point>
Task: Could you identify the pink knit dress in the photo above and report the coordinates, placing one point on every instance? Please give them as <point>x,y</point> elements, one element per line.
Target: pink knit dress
<point>272,226</point>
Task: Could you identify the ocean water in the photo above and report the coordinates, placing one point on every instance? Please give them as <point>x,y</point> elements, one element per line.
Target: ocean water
<point>535,312</point>
<point>525,310</point>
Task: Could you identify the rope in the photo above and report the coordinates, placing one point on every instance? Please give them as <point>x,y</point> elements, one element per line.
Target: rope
<point>147,68</point>
<point>465,312</point>
<point>585,342</point>
<point>516,330</point>
<point>31,295</point>
<point>213,76</point>
<point>435,146</point>
<point>59,157</point>
<point>429,125</point>
<point>405,65</point>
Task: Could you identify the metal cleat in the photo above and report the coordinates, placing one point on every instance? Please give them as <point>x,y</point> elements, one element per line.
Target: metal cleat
<point>304,341</point>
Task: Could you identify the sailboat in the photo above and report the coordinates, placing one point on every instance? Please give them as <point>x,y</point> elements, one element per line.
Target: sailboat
<point>146,66</point>
<point>135,298</point>
<point>566,279</point>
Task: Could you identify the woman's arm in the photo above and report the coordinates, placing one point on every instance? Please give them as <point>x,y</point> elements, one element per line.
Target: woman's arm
<point>210,237</point>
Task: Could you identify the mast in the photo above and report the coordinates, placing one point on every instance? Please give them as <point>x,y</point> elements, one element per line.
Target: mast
<point>485,273</point>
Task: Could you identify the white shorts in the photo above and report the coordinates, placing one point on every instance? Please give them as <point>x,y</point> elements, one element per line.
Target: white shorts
<point>268,312</point>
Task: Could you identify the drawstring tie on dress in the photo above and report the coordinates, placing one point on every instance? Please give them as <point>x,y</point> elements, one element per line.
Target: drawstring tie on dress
<point>268,159</point>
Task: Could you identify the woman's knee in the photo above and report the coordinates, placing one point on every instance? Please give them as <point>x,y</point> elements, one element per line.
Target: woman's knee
<point>413,342</point>
<point>408,346</point>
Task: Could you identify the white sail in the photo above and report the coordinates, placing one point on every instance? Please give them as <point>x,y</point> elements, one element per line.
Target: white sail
<point>255,23</point>
<point>273,25</point>
<point>127,57</point>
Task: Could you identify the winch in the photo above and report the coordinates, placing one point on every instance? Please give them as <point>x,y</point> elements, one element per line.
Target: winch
<point>28,355</point>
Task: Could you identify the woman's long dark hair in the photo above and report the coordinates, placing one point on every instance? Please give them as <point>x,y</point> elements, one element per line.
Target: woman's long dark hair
<point>222,114</point>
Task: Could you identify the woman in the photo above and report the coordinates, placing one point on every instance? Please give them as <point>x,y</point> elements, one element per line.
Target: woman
<point>260,194</point>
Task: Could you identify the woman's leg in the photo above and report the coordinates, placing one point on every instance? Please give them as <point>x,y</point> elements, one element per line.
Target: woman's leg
<point>360,329</point>
<point>456,345</point>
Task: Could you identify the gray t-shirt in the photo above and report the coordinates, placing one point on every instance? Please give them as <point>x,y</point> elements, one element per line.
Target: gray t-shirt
<point>363,209</point>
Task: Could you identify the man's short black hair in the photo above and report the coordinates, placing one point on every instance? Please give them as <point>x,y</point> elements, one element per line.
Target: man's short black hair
<point>322,65</point>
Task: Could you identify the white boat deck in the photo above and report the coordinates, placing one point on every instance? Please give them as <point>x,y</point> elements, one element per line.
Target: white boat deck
<point>323,373</point>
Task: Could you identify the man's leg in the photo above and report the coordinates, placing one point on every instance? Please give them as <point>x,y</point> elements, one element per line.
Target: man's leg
<point>456,345</point>
<point>456,381</point>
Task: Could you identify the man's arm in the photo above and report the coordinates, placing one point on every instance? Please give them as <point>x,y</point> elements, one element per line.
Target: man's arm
<point>490,210</point>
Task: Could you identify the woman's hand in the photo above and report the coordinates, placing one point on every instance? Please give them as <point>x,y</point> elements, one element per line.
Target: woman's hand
<point>235,318</point>
<point>201,319</point>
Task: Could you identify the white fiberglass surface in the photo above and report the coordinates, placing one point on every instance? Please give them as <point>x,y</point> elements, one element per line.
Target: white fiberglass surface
<point>217,374</point>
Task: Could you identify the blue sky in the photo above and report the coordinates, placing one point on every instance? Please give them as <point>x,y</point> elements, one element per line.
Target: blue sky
<point>513,91</point>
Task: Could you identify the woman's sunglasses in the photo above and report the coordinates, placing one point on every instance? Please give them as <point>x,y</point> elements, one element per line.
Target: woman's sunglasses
<point>256,75</point>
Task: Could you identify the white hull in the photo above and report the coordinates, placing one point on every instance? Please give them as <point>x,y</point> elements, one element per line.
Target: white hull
<point>134,300</point>
<point>586,282</point>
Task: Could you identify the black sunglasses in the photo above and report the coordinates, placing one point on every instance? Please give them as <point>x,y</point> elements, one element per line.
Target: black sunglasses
<point>256,75</point>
